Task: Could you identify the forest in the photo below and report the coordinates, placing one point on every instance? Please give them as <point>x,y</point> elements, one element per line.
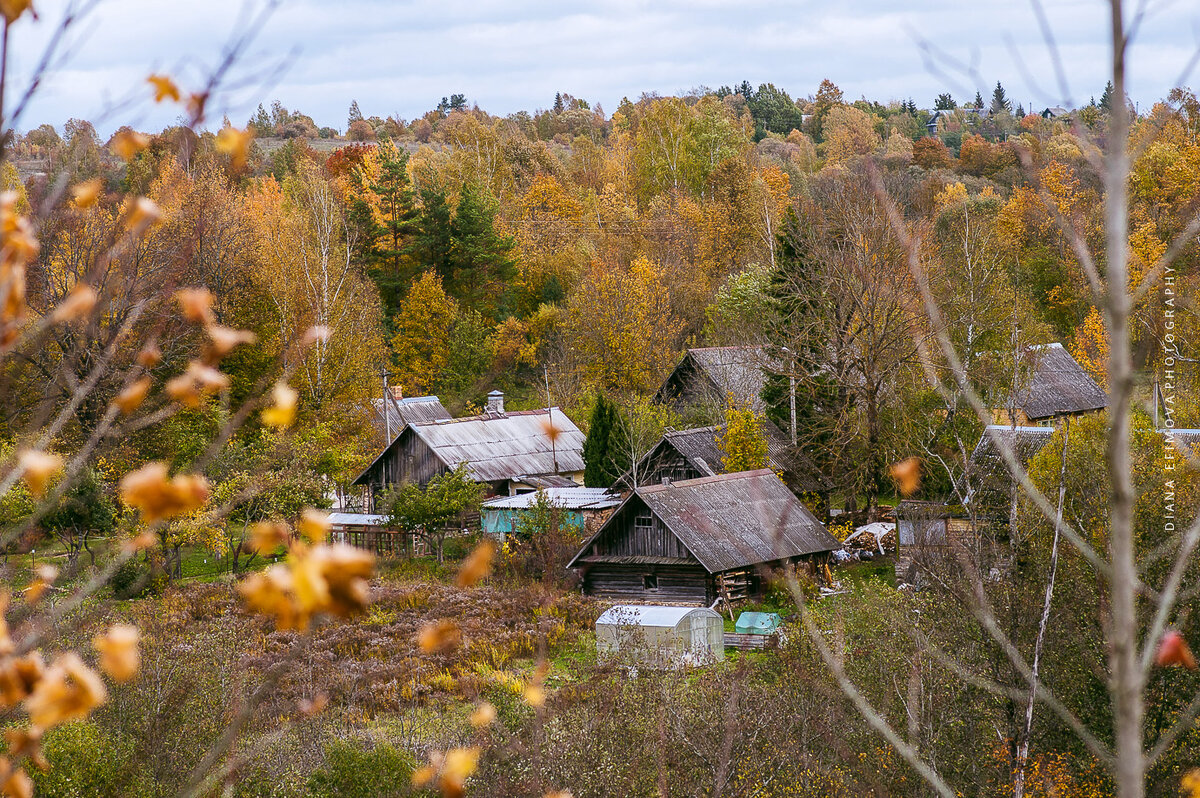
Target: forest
<point>197,323</point>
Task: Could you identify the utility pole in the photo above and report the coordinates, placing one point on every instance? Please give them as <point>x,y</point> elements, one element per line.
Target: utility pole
<point>792,390</point>
<point>387,416</point>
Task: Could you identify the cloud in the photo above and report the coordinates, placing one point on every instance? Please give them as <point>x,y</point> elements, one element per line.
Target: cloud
<point>402,57</point>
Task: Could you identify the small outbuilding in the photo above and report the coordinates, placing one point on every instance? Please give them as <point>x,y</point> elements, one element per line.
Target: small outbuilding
<point>660,637</point>
<point>580,508</point>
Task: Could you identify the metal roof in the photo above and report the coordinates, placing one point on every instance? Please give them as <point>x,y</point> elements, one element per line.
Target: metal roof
<point>566,498</point>
<point>412,410</point>
<point>647,615</point>
<point>732,520</point>
<point>991,483</point>
<point>356,519</point>
<point>506,445</point>
<point>1057,385</point>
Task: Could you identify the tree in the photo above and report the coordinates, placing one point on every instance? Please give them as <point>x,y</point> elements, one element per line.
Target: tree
<point>944,102</point>
<point>360,130</point>
<point>849,133</point>
<point>1000,101</point>
<point>743,441</point>
<point>85,510</point>
<point>383,185</point>
<point>601,451</point>
<point>354,115</point>
<point>421,345</point>
<point>427,512</point>
<point>481,263</point>
<point>1106,97</point>
<point>978,101</point>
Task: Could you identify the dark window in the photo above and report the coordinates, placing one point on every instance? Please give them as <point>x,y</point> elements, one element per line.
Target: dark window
<point>643,522</point>
<point>650,582</point>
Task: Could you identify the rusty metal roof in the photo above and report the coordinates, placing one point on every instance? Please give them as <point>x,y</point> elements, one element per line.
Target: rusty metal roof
<point>501,446</point>
<point>735,371</point>
<point>1057,385</point>
<point>736,520</point>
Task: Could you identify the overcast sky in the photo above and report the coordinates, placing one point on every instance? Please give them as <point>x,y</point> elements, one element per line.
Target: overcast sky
<point>509,55</point>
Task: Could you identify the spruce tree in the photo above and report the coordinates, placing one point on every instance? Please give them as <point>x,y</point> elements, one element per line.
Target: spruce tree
<point>482,266</point>
<point>1000,101</point>
<point>944,102</point>
<point>978,102</point>
<point>1107,97</point>
<point>602,448</point>
<point>395,226</point>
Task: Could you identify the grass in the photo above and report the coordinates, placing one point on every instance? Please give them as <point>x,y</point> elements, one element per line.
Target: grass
<point>880,570</point>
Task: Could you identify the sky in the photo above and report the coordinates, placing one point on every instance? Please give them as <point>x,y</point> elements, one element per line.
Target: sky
<point>397,57</point>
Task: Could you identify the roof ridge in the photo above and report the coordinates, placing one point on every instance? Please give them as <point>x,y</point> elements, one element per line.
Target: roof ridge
<point>689,483</point>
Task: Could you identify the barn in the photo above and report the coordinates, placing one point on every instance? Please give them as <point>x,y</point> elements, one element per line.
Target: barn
<point>707,378</point>
<point>509,452</point>
<point>1051,385</point>
<point>695,541</point>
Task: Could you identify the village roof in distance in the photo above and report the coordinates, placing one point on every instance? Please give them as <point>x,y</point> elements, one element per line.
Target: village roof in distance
<point>565,498</point>
<point>1057,385</point>
<point>991,482</point>
<point>500,446</point>
<point>733,520</point>
<point>735,371</point>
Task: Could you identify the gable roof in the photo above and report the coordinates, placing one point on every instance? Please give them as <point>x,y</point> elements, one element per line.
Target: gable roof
<point>499,446</point>
<point>731,520</point>
<point>699,446</point>
<point>992,483</point>
<point>399,413</point>
<point>729,371</point>
<point>1057,385</point>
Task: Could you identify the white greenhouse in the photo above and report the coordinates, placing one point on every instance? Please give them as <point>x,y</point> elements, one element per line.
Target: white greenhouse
<point>664,637</point>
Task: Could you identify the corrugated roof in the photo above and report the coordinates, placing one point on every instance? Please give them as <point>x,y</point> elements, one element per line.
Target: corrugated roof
<point>412,410</point>
<point>356,519</point>
<point>566,498</point>
<point>647,615</point>
<point>1057,385</point>
<point>735,520</point>
<point>507,445</point>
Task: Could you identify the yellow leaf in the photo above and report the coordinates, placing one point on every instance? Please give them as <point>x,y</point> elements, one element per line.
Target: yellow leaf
<point>129,143</point>
<point>86,193</point>
<point>283,412</point>
<point>119,655</point>
<point>38,468</point>
<point>164,88</point>
<point>234,143</point>
<point>13,9</point>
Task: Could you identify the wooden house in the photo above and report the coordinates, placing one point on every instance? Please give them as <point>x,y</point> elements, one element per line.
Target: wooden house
<point>704,381</point>
<point>698,540</point>
<point>508,452</point>
<point>693,453</point>
<point>1051,386</point>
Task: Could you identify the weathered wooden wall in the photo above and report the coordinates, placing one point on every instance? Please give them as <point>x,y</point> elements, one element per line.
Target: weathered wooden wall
<point>676,584</point>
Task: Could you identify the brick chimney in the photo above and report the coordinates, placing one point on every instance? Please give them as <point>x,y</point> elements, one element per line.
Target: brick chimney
<point>495,403</point>
<point>397,392</point>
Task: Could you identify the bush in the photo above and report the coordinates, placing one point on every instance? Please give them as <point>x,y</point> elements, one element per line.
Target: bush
<point>88,762</point>
<point>136,579</point>
<point>354,771</point>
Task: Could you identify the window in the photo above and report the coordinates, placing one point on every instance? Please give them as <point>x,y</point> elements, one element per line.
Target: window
<point>643,523</point>
<point>650,582</point>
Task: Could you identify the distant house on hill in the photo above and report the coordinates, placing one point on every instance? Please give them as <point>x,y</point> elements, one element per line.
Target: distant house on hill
<point>1051,385</point>
<point>693,453</point>
<point>703,382</point>
<point>695,541</point>
<point>509,452</point>
<point>1054,112</point>
<point>395,413</point>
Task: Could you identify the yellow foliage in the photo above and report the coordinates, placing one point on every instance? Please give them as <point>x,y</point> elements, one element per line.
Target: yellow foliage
<point>1090,347</point>
<point>421,345</point>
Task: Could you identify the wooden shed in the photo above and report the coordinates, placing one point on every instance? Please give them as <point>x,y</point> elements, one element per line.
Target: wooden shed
<point>698,540</point>
<point>660,637</point>
<point>580,508</point>
<point>393,413</point>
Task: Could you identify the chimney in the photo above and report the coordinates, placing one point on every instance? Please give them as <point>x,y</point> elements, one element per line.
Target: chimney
<point>495,403</point>
<point>665,480</point>
<point>397,392</point>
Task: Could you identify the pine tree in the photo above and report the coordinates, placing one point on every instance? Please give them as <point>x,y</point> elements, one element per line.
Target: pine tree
<point>261,123</point>
<point>978,102</point>
<point>354,115</point>
<point>1000,101</point>
<point>601,450</point>
<point>558,103</point>
<point>432,242</point>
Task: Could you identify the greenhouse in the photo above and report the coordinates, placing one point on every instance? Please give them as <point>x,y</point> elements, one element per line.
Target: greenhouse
<point>666,637</point>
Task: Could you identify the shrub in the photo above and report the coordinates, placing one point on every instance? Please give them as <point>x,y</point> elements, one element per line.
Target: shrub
<point>88,762</point>
<point>354,771</point>
<point>136,579</point>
